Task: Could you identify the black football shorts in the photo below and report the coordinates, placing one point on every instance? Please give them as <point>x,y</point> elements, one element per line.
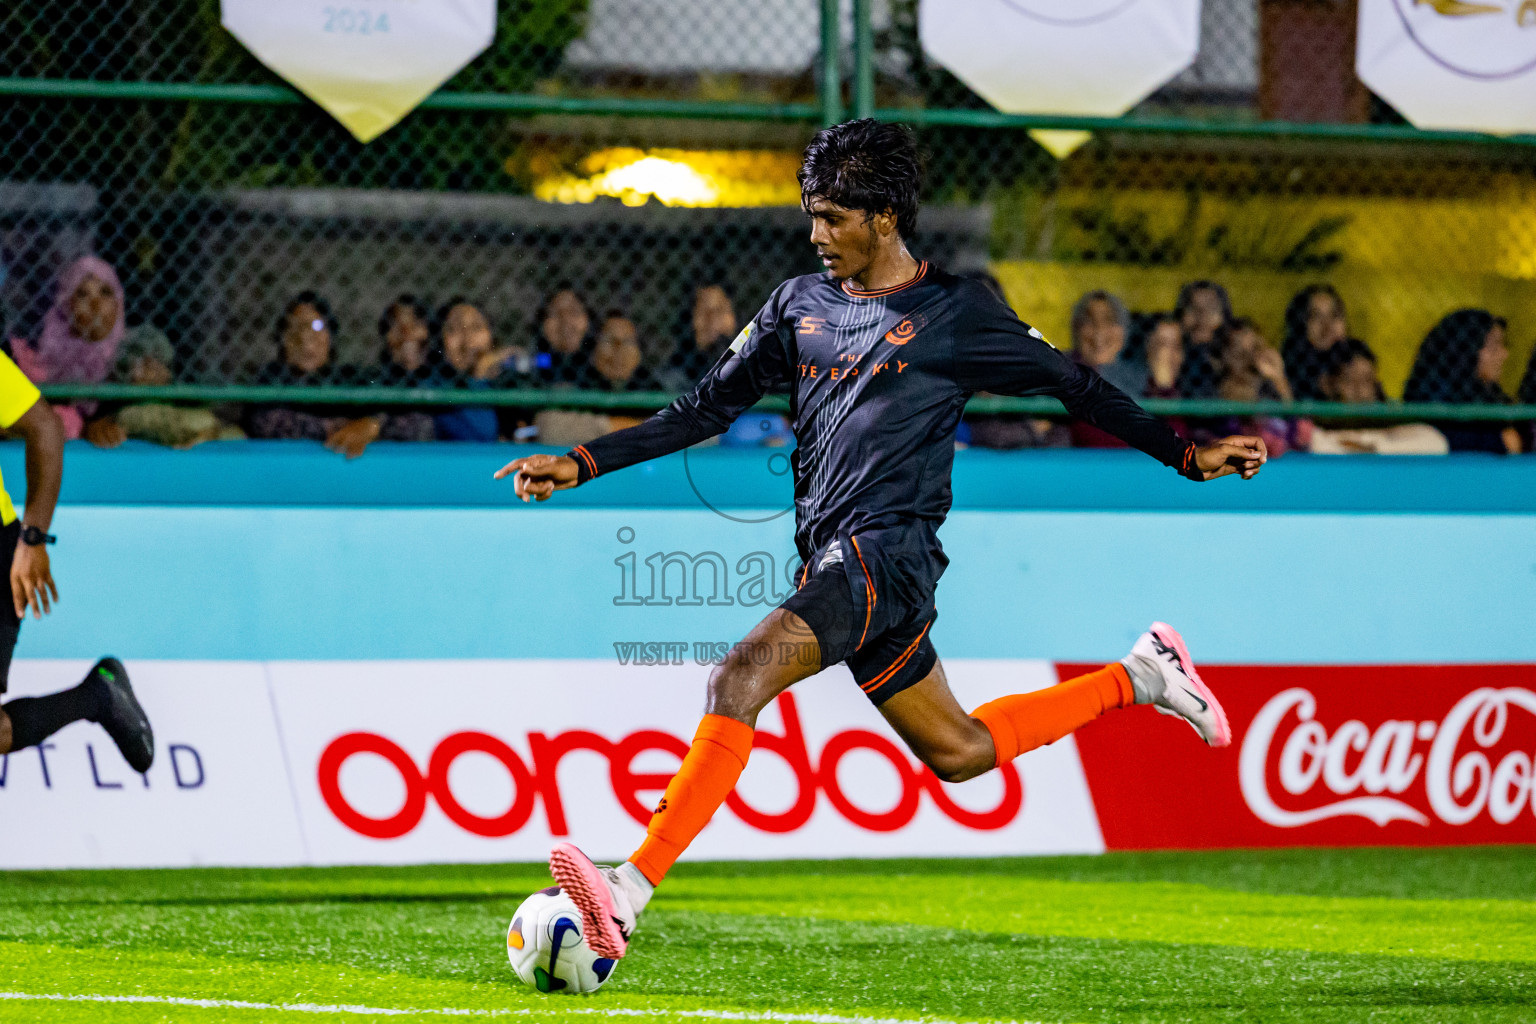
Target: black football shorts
<point>877,623</point>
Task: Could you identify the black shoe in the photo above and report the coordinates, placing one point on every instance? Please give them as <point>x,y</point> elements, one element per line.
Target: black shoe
<point>122,716</point>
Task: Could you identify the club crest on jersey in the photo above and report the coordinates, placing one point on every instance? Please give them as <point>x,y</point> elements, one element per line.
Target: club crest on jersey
<point>906,330</point>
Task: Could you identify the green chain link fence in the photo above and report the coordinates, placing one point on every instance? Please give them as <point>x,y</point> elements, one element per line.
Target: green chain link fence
<point>146,134</point>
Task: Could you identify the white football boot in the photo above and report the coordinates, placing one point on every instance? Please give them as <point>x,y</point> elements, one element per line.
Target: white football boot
<point>1163,675</point>
<point>610,899</point>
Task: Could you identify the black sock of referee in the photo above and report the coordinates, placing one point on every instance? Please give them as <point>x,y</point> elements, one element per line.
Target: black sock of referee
<point>34,719</point>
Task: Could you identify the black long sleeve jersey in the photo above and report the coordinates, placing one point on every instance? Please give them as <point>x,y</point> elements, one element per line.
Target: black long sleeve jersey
<point>877,383</point>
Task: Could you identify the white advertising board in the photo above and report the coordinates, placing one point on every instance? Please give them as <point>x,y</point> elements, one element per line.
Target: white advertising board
<point>396,762</point>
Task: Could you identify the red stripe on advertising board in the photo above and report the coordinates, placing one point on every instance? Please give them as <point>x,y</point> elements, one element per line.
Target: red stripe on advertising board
<point>1325,756</point>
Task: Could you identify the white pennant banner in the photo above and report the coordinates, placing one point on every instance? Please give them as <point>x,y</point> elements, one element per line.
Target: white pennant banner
<point>367,66</point>
<point>1452,64</point>
<point>1094,58</point>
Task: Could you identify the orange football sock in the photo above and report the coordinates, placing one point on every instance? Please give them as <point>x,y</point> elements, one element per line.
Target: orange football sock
<point>1024,721</point>
<point>707,776</point>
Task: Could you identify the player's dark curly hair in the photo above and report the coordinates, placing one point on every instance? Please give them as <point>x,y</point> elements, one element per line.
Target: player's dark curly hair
<point>865,165</point>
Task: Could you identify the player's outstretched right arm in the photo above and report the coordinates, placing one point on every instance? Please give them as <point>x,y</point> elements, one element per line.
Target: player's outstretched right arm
<point>538,477</point>
<point>757,360</point>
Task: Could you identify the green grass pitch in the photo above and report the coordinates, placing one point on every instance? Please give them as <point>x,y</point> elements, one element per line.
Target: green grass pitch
<point>1307,936</point>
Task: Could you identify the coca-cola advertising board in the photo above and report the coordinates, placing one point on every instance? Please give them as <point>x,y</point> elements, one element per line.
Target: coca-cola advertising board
<point>1347,756</point>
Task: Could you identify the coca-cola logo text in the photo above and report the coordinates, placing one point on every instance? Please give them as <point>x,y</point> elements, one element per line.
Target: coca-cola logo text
<point>1456,763</point>
<point>535,780</point>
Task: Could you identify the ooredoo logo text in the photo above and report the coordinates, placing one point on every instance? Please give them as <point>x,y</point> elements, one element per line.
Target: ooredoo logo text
<point>535,781</point>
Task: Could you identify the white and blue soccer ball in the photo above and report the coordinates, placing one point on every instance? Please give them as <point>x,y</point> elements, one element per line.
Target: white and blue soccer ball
<point>547,949</point>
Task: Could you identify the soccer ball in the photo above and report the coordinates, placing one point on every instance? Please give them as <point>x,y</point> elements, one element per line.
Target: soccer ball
<point>546,947</point>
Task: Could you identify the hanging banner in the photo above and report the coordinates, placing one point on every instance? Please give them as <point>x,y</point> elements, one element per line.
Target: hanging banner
<point>370,65</point>
<point>1094,58</point>
<point>1452,64</point>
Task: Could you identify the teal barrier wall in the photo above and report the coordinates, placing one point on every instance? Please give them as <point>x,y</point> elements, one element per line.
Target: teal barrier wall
<point>275,551</point>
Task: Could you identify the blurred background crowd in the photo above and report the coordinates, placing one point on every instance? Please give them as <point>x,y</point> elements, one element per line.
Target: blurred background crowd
<point>1199,348</point>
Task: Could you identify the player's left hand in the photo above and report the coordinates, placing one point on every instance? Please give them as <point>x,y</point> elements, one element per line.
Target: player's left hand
<point>1236,454</point>
<point>32,581</point>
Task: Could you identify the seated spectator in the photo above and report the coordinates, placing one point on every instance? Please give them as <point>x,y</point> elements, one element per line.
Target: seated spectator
<point>615,362</point>
<point>1460,362</point>
<point>1250,369</point>
<point>404,335</point>
<point>305,331</point>
<point>1353,379</point>
<point>709,332</point>
<point>81,333</point>
<point>468,357</point>
<point>1204,313</point>
<point>1315,332</point>
<point>1099,325</point>
<point>560,351</point>
<point>405,329</point>
<point>145,358</point>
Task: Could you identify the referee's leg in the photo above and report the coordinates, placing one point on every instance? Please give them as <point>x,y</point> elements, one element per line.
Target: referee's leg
<point>105,696</point>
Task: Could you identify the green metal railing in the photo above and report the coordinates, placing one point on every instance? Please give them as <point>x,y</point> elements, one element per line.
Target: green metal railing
<point>572,398</point>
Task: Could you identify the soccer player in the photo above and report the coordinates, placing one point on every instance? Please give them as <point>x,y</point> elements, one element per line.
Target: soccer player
<point>880,354</point>
<point>105,696</point>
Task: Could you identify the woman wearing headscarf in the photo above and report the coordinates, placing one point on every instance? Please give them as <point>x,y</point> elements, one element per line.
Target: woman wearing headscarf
<point>1316,330</point>
<point>1459,363</point>
<point>1204,312</point>
<point>80,337</point>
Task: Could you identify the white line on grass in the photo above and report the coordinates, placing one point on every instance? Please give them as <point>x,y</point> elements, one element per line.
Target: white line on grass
<point>380,1011</point>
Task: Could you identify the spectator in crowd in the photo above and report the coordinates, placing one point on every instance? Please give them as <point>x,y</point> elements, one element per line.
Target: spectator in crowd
<point>709,332</point>
<point>405,331</point>
<point>1165,358</point>
<point>305,333</point>
<point>1250,370</point>
<point>616,357</point>
<point>1099,325</point>
<point>1459,362</point>
<point>81,333</point>
<point>144,358</point>
<point>1315,331</point>
<point>1204,312</point>
<point>564,339</point>
<point>1353,379</point>
<point>404,335</point>
<point>469,357</point>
